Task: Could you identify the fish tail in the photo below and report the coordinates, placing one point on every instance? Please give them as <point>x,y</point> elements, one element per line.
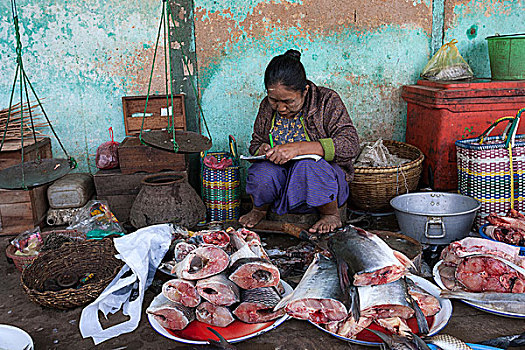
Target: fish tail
<point>353,297</point>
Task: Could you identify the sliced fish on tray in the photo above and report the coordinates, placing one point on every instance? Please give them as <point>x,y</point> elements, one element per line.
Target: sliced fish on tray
<point>257,305</point>
<point>181,291</point>
<point>201,263</point>
<point>219,290</point>
<point>172,315</point>
<point>250,273</point>
<point>215,315</point>
<point>365,259</point>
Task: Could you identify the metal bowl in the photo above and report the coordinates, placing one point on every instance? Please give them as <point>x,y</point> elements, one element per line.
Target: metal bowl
<point>435,217</point>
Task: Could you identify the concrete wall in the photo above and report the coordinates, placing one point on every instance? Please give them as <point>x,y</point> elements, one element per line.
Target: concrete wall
<point>83,55</point>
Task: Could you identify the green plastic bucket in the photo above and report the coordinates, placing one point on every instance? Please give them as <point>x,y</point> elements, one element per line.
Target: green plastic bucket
<point>507,56</point>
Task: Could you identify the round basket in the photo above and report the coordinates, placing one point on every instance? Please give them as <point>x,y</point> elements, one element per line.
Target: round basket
<point>374,187</point>
<point>91,256</point>
<point>23,261</point>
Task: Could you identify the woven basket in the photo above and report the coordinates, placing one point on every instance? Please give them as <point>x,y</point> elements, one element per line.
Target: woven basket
<point>374,187</point>
<point>91,256</point>
<point>23,261</point>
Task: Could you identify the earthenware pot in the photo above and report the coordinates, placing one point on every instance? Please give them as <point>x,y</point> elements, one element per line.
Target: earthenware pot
<point>167,198</point>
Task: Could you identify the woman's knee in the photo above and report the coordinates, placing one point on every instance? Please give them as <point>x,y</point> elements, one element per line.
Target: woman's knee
<point>266,174</point>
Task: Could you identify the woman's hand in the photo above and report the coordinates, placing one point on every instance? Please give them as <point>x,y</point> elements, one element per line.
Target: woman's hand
<point>283,153</point>
<point>264,148</point>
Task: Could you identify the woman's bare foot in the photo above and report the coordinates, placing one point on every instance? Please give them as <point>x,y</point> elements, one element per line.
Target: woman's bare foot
<point>327,223</point>
<point>252,218</point>
<point>330,219</point>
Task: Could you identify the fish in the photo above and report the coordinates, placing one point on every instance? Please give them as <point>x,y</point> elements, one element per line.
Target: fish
<point>216,237</point>
<point>257,305</point>
<point>396,325</point>
<point>317,297</point>
<point>447,342</point>
<point>181,291</point>
<point>395,342</point>
<point>172,315</point>
<point>201,263</point>
<point>506,341</point>
<point>222,343</point>
<point>385,300</point>
<point>215,315</point>
<point>182,249</point>
<point>350,328</point>
<point>250,273</point>
<point>365,259</point>
<point>219,290</point>
<point>506,302</point>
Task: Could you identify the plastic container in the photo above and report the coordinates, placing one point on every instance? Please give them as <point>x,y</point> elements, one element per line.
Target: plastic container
<point>507,56</point>
<point>440,113</point>
<point>71,191</point>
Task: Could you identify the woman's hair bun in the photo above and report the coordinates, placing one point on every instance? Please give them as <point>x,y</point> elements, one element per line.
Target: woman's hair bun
<point>293,53</point>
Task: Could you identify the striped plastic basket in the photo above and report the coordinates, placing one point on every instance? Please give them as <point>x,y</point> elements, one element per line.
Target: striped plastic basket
<point>221,188</point>
<point>491,169</point>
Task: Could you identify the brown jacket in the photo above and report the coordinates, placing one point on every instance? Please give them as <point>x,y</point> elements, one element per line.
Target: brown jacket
<point>326,120</point>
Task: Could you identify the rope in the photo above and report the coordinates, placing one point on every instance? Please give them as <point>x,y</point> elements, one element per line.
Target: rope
<point>397,180</point>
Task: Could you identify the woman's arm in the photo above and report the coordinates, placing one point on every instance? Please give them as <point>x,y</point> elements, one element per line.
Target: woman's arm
<point>261,128</point>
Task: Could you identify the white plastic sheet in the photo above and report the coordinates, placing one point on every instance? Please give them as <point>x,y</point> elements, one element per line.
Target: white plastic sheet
<point>142,251</point>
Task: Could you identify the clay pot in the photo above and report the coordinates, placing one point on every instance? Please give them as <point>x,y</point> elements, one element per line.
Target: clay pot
<point>167,198</point>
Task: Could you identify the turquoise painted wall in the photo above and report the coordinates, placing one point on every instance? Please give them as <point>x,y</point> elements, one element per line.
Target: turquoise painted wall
<point>82,56</point>
<point>470,22</point>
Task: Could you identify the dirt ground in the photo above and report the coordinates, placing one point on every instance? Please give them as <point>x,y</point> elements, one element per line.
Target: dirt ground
<point>55,329</point>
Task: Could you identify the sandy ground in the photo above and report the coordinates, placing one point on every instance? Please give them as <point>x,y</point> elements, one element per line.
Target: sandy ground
<point>55,329</point>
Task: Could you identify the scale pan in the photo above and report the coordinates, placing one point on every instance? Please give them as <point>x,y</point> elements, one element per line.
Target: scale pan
<point>188,141</point>
<point>36,173</point>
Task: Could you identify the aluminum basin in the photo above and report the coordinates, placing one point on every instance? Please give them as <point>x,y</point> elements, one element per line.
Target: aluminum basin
<point>435,217</point>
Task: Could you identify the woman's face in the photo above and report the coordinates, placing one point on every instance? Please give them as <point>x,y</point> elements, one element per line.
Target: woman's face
<point>287,102</point>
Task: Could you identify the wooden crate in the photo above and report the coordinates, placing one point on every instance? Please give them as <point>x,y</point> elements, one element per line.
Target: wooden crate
<point>23,210</point>
<point>135,157</point>
<point>119,190</point>
<point>134,105</point>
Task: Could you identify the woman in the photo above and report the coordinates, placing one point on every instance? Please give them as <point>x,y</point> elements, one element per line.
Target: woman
<point>299,118</point>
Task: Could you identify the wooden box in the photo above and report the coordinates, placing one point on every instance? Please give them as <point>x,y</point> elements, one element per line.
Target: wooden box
<point>156,113</point>
<point>135,157</point>
<point>23,210</point>
<point>119,190</point>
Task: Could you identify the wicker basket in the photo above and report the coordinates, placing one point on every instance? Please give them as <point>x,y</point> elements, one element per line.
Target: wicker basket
<point>91,256</point>
<point>374,187</point>
<point>23,261</point>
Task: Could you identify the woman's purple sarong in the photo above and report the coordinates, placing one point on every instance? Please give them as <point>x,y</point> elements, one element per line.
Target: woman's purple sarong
<point>297,186</point>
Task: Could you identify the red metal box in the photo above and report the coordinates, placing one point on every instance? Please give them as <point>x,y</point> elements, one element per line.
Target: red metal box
<point>439,113</point>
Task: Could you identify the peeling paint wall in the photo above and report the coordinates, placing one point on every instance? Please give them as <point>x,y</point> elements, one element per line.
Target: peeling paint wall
<point>365,50</point>
<point>82,56</point>
<point>471,21</point>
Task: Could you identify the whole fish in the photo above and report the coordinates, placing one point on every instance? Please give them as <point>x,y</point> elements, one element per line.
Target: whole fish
<point>507,302</point>
<point>172,315</point>
<point>365,259</point>
<point>215,315</point>
<point>506,341</point>
<point>201,263</point>
<point>447,342</point>
<point>317,297</point>
<point>250,273</point>
<point>219,290</point>
<point>257,305</point>
<point>181,291</point>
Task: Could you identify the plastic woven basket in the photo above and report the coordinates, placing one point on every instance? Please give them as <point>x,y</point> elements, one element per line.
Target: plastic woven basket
<point>23,261</point>
<point>91,256</point>
<point>374,187</point>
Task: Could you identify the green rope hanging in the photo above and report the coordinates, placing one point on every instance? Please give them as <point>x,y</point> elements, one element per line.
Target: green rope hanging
<point>164,23</point>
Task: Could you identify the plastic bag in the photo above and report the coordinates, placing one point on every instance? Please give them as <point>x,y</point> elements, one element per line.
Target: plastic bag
<point>447,64</point>
<point>142,251</point>
<point>376,154</point>
<point>107,154</point>
<point>28,242</point>
<point>96,220</point>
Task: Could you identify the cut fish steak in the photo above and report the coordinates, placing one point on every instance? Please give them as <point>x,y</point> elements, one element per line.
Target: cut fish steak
<point>317,297</point>
<point>257,305</point>
<point>215,315</point>
<point>182,249</point>
<point>219,290</point>
<point>366,259</point>
<point>456,251</point>
<point>172,315</point>
<point>385,301</point>
<point>250,273</point>
<point>201,263</point>
<point>181,291</point>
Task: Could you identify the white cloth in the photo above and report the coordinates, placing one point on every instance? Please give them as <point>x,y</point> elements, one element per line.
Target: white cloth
<point>142,251</point>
